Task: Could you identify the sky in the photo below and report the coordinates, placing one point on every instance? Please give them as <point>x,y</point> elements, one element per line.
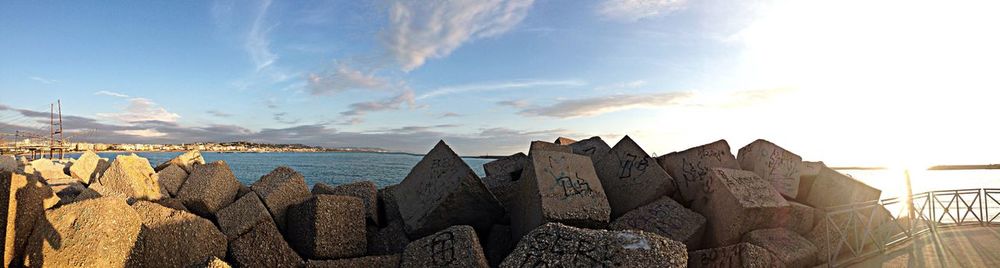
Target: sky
<point>846,82</point>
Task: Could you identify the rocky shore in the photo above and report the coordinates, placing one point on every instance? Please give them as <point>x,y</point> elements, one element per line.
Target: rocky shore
<point>563,204</point>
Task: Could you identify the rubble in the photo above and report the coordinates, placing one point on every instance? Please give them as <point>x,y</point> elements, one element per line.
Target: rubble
<point>667,218</point>
<point>263,246</point>
<point>631,178</point>
<point>366,190</point>
<point>739,201</point>
<point>172,178</point>
<point>186,161</point>
<point>23,199</point>
<point>242,215</point>
<point>554,244</point>
<point>440,191</point>
<point>690,168</point>
<point>792,249</point>
<point>174,238</point>
<point>738,255</point>
<point>559,187</point>
<point>456,246</point>
<point>773,164</point>
<point>281,188</point>
<point>208,188</point>
<point>68,236</point>
<point>131,176</point>
<point>327,227</point>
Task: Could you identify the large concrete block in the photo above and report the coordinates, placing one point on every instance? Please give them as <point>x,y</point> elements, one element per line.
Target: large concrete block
<point>667,218</point>
<point>564,141</point>
<point>831,188</point>
<point>263,246</point>
<point>548,146</point>
<point>174,238</point>
<point>594,147</point>
<point>800,218</point>
<point>186,161</point>
<point>499,244</point>
<point>690,168</point>
<point>327,227</point>
<point>280,189</point>
<point>557,245</point>
<point>366,190</point>
<point>8,163</point>
<point>66,189</point>
<point>456,246</point>
<point>172,178</point>
<point>391,237</point>
<point>46,169</point>
<point>131,176</point>
<point>377,261</point>
<point>502,176</point>
<point>508,166</point>
<point>808,171</point>
<point>87,167</point>
<point>242,215</point>
<point>792,249</point>
<point>738,255</point>
<point>440,191</point>
<point>631,178</point>
<point>774,164</point>
<point>208,188</point>
<point>738,201</point>
<point>99,232</point>
<point>559,187</point>
<point>23,199</point>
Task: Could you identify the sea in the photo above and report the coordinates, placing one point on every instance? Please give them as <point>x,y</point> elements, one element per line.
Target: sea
<point>385,169</point>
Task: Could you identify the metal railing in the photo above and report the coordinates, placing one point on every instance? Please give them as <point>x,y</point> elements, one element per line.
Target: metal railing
<point>855,232</point>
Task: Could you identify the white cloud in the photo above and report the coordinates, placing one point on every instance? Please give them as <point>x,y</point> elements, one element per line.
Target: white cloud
<point>343,78</point>
<point>633,10</point>
<point>392,103</point>
<point>145,133</point>
<point>421,30</point>
<point>43,80</point>
<point>141,109</point>
<point>605,104</point>
<point>258,44</point>
<point>111,93</point>
<point>499,86</point>
<point>624,85</point>
<point>515,103</point>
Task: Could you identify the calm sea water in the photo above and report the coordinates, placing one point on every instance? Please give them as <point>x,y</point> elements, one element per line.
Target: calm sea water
<point>330,168</point>
<point>893,182</point>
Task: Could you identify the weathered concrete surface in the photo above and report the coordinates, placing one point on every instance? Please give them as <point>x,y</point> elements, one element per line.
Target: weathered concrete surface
<point>800,218</point>
<point>808,171</point>
<point>508,166</point>
<point>66,189</point>
<point>831,188</point>
<point>557,245</point>
<point>212,262</point>
<point>87,167</point>
<point>186,161</point>
<point>456,246</point>
<point>174,238</point>
<point>440,191</point>
<point>739,201</point>
<point>327,227</point>
<point>280,189</point>
<point>564,141</point>
<point>263,246</point>
<point>172,178</point>
<point>391,237</point>
<point>173,203</point>
<point>242,215</point>
<point>499,244</point>
<point>23,199</point>
<point>47,169</point>
<point>366,190</point>
<point>208,188</point>
<point>772,163</point>
<point>548,146</point>
<point>8,163</point>
<point>792,249</point>
<point>131,176</point>
<point>594,147</point>
<point>666,218</point>
<point>631,178</point>
<point>501,179</point>
<point>377,261</point>
<point>738,255</point>
<point>690,168</point>
<point>559,187</point>
<point>83,234</point>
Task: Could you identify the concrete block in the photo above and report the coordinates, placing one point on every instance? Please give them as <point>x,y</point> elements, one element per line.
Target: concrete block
<point>87,167</point>
<point>499,244</point>
<point>559,187</point>
<point>690,168</point>
<point>666,218</point>
<point>239,217</point>
<point>456,246</point>
<point>174,238</point>
<point>186,161</point>
<point>263,246</point>
<point>791,248</point>
<point>774,164</point>
<point>208,188</point>
<point>738,255</point>
<point>800,218</point>
<point>631,178</point>
<point>440,191</point>
<point>378,261</point>
<point>99,232</point>
<point>594,147</point>
<point>548,146</point>
<point>46,169</point>
<point>8,163</point>
<point>739,201</point>
<point>172,178</point>
<point>131,176</point>
<point>391,237</point>
<point>554,245</point>
<point>564,141</point>
<point>366,190</point>
<point>280,189</point>
<point>831,188</point>
<point>502,176</point>
<point>327,227</point>
<point>24,199</point>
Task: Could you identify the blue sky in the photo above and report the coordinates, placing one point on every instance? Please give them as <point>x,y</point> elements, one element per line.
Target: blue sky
<point>490,76</point>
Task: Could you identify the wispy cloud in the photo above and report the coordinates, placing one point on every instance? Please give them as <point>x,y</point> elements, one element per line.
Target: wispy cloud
<point>624,85</point>
<point>343,78</point>
<point>145,133</point>
<point>515,103</point>
<point>258,43</point>
<point>139,110</point>
<point>43,80</point>
<point>606,104</point>
<point>219,113</point>
<point>421,30</point>
<point>449,114</point>
<point>392,103</point>
<point>523,84</point>
<point>633,10</point>
<point>282,118</point>
<point>111,93</point>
